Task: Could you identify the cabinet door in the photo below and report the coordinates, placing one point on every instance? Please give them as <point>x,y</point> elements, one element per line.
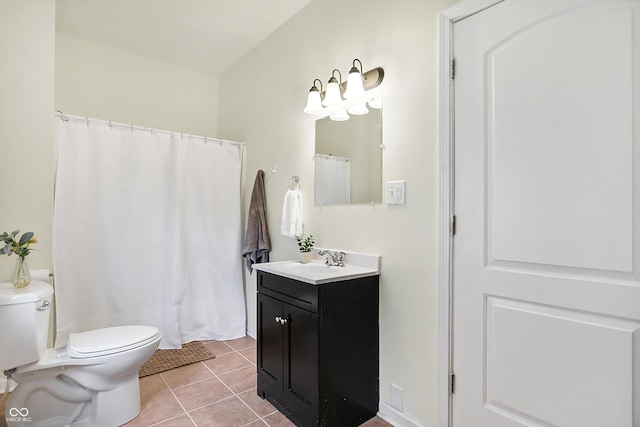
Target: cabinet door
<point>301,363</point>
<point>270,346</point>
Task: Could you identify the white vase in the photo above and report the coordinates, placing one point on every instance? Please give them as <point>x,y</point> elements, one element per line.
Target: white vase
<point>305,257</point>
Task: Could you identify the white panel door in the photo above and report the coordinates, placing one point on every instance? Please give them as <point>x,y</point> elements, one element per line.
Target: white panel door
<point>546,259</point>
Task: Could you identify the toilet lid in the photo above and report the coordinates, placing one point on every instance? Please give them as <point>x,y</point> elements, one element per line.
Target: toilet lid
<point>101,342</point>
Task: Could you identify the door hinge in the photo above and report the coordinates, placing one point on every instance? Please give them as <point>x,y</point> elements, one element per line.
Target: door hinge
<point>453,225</point>
<point>453,68</point>
<point>452,383</point>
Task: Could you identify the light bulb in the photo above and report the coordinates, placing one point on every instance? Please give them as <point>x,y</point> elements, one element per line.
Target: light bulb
<point>332,96</point>
<point>376,103</point>
<point>354,84</point>
<point>358,109</point>
<point>339,116</point>
<point>314,106</point>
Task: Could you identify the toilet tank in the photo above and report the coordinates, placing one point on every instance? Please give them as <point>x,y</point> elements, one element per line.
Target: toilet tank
<point>24,323</point>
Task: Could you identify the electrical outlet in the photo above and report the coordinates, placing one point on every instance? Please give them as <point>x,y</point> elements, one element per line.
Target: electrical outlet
<point>396,397</point>
<point>395,192</point>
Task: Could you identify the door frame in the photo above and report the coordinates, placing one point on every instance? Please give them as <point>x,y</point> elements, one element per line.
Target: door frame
<point>445,129</point>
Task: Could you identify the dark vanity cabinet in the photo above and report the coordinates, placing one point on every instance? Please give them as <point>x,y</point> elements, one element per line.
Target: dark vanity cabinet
<point>318,349</point>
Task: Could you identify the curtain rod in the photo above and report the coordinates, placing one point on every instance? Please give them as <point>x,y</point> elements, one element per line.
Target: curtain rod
<point>331,156</point>
<point>87,120</point>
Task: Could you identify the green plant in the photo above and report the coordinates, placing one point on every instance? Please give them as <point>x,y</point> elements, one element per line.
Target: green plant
<point>19,247</point>
<point>306,244</point>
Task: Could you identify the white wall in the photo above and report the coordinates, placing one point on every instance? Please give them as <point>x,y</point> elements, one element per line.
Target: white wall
<point>91,80</point>
<point>27,30</point>
<point>102,82</point>
<point>261,101</point>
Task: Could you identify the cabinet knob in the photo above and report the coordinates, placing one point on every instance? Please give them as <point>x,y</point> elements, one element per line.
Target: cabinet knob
<point>278,319</point>
<point>283,320</point>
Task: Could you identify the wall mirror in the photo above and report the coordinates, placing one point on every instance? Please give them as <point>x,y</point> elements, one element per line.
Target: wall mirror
<point>348,160</point>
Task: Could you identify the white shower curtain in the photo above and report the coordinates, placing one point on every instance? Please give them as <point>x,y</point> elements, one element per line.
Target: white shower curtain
<point>147,229</point>
<point>332,180</point>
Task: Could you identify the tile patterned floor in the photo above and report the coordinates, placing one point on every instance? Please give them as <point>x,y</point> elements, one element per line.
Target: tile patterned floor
<point>220,392</point>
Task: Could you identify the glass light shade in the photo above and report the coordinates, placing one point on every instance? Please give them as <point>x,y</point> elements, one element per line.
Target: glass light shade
<point>358,109</point>
<point>314,106</point>
<point>332,95</point>
<point>354,84</point>
<point>339,116</point>
<point>376,103</point>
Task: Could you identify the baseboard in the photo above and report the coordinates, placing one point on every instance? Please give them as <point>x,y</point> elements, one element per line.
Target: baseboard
<point>251,331</point>
<point>395,417</point>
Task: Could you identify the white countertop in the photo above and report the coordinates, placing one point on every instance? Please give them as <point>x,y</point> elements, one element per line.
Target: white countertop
<point>357,265</point>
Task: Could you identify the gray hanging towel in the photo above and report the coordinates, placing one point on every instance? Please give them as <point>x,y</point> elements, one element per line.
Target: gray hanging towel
<point>256,246</point>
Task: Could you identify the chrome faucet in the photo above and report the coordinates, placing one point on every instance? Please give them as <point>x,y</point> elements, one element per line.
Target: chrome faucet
<point>333,257</point>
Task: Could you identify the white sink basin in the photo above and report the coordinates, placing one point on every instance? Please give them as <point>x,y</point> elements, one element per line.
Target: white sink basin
<point>313,268</point>
<point>316,272</point>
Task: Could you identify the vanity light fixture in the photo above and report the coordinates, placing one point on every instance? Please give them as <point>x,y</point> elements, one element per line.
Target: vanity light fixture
<point>333,95</point>
<point>314,100</point>
<point>356,91</point>
<point>376,103</point>
<point>358,109</point>
<point>354,81</point>
<point>355,88</point>
<point>339,116</point>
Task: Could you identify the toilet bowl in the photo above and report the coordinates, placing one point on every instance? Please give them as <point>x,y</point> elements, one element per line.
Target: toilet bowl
<point>93,381</point>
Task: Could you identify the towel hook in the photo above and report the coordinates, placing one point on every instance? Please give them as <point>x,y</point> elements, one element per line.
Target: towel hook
<point>295,179</point>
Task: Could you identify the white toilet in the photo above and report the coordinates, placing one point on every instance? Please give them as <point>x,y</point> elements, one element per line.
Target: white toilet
<point>93,382</point>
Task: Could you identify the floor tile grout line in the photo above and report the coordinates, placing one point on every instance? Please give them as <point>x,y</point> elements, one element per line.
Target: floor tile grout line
<point>231,351</point>
<point>214,373</point>
<point>178,400</point>
<point>190,384</point>
<point>250,361</point>
<point>211,403</point>
<point>217,376</point>
<point>261,418</point>
<point>241,349</point>
<point>234,370</point>
<point>227,372</point>
<point>236,395</point>
<point>208,404</point>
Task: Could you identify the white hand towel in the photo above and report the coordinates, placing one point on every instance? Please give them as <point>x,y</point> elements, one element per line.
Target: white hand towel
<point>292,214</point>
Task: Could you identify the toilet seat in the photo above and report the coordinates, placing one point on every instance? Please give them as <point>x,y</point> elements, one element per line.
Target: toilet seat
<point>105,341</point>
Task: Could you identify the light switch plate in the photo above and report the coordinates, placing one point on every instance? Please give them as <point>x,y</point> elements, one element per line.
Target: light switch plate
<point>395,192</point>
